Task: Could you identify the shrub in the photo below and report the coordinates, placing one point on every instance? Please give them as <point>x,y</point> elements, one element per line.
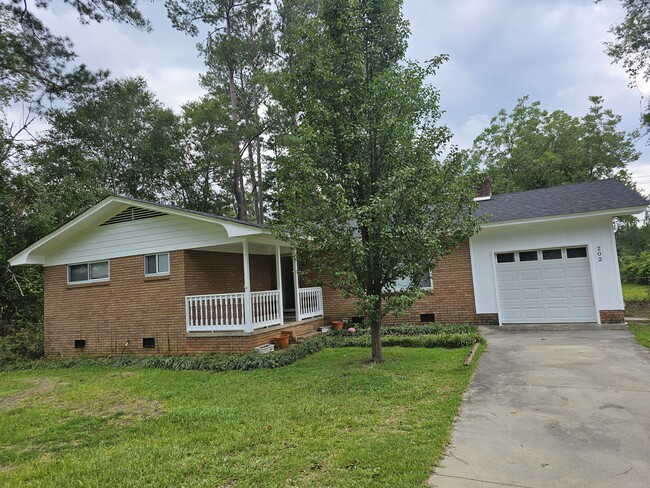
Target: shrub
<point>23,344</point>
<point>411,330</point>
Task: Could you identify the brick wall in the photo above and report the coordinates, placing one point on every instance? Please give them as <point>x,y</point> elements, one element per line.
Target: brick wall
<point>612,316</point>
<point>131,306</point>
<point>452,298</point>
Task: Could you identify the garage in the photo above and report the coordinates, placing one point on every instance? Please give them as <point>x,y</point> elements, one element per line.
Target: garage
<point>545,285</point>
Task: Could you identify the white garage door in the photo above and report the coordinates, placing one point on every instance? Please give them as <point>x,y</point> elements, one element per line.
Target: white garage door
<point>545,285</point>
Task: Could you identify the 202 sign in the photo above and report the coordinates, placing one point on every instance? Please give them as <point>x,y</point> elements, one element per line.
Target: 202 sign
<point>599,254</point>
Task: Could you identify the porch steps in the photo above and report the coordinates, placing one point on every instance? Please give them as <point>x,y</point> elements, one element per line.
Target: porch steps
<point>299,339</point>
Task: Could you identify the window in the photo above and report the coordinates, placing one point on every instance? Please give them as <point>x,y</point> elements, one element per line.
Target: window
<point>506,257</point>
<point>156,264</point>
<point>426,283</point>
<point>551,254</point>
<point>527,256</point>
<point>576,252</point>
<point>80,273</point>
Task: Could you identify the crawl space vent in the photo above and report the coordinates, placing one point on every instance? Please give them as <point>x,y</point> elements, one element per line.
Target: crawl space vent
<point>427,317</point>
<point>148,342</point>
<point>131,214</point>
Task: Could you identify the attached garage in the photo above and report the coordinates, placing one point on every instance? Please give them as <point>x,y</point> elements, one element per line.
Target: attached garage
<point>549,255</point>
<point>545,286</point>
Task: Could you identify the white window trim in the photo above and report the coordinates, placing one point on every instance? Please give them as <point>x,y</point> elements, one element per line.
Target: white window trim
<point>165,273</point>
<point>89,280</point>
<point>397,290</point>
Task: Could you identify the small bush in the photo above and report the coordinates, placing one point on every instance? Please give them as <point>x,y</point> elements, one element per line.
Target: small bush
<point>23,344</point>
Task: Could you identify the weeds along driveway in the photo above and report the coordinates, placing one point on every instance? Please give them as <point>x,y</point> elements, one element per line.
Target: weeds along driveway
<point>554,409</point>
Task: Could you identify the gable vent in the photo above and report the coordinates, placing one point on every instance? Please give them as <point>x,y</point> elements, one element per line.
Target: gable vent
<point>133,213</point>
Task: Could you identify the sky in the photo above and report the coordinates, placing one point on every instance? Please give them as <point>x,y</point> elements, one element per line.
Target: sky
<point>500,50</point>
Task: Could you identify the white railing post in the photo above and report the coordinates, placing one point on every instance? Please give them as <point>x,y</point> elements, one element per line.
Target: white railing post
<point>278,279</point>
<point>248,308</point>
<point>296,285</point>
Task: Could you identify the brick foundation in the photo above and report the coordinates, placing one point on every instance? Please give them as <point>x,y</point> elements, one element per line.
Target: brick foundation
<point>451,301</point>
<point>612,316</point>
<point>130,307</point>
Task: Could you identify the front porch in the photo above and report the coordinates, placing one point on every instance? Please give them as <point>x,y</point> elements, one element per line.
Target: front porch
<point>247,311</point>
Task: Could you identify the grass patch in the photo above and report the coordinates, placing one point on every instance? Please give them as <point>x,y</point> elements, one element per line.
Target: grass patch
<point>642,333</point>
<point>635,293</point>
<point>328,420</point>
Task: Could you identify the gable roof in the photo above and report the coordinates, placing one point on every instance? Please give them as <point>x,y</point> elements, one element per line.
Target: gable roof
<point>111,206</point>
<point>593,196</point>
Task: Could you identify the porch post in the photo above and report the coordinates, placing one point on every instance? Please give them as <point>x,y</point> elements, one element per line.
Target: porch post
<point>295,283</point>
<point>248,305</point>
<point>278,280</point>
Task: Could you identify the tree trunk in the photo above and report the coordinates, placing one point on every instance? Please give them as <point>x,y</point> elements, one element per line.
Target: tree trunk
<point>375,331</point>
<point>238,177</point>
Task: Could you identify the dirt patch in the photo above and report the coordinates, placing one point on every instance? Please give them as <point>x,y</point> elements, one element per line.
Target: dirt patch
<point>121,412</point>
<point>637,309</point>
<point>40,386</point>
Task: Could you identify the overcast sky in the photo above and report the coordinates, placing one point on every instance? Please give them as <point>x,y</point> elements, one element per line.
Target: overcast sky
<point>499,50</point>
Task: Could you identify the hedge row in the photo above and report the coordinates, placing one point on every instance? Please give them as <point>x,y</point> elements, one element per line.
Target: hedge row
<point>247,362</point>
<point>411,330</point>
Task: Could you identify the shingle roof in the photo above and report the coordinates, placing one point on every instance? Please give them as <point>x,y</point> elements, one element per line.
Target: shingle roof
<point>561,200</point>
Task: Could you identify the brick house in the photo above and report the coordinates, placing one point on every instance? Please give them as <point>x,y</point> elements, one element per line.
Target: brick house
<point>135,277</point>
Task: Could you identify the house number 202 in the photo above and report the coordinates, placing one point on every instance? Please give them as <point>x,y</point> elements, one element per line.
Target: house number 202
<point>599,254</point>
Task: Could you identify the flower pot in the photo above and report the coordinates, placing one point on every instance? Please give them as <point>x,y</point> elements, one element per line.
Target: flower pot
<point>281,342</point>
<point>337,324</point>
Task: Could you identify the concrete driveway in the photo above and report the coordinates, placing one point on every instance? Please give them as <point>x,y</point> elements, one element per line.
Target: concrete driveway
<point>554,409</point>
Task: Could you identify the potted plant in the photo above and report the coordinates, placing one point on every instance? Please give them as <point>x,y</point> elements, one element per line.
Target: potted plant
<point>281,342</point>
<point>337,324</point>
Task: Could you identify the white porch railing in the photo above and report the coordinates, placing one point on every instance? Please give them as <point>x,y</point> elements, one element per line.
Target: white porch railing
<point>209,313</point>
<point>310,302</point>
<point>266,308</point>
<point>226,312</point>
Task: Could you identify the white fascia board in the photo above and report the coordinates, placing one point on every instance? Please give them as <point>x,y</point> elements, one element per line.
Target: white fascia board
<point>31,255</point>
<point>600,213</point>
<point>98,213</point>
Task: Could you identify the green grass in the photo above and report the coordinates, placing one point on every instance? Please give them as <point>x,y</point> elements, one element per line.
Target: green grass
<point>635,293</point>
<point>330,419</point>
<point>642,333</point>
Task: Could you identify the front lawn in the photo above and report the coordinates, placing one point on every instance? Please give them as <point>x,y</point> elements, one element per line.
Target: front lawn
<point>642,333</point>
<point>330,419</point>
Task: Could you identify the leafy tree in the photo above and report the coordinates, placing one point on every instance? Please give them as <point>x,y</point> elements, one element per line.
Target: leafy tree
<point>631,45</point>
<point>118,140</point>
<point>238,51</point>
<point>533,148</point>
<point>362,190</point>
<point>37,65</point>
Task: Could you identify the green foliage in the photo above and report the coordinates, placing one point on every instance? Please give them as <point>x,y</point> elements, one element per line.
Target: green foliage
<point>238,52</point>
<point>118,139</point>
<point>631,46</point>
<point>410,330</point>
<point>361,186</point>
<point>24,344</point>
<point>636,269</point>
<point>409,336</point>
<point>633,292</point>
<point>533,148</point>
<point>642,333</point>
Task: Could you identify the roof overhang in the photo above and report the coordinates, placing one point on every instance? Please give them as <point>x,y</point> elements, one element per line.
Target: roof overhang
<point>108,207</point>
<point>599,213</point>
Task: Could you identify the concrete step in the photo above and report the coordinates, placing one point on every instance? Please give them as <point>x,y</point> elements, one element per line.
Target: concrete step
<point>303,337</point>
